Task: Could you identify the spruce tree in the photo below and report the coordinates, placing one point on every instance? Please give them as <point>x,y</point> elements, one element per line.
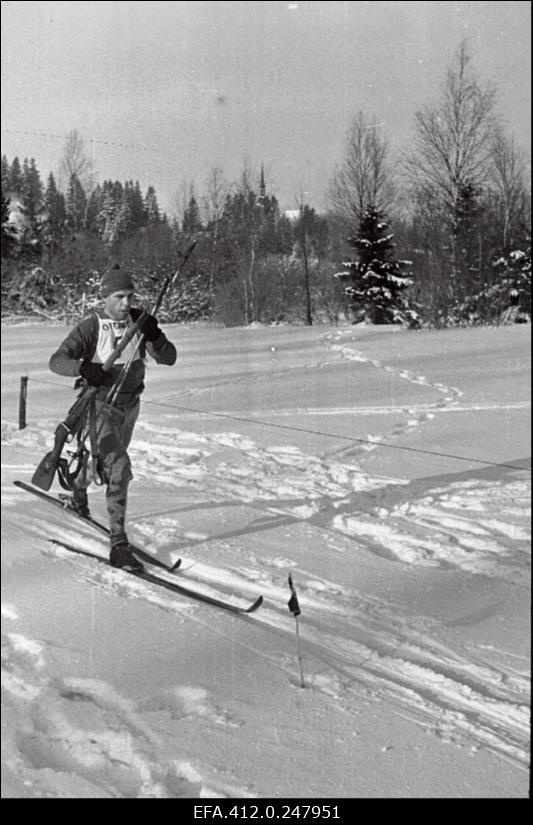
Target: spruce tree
<point>16,179</point>
<point>136,202</point>
<point>513,287</point>
<point>192,220</point>
<point>375,284</point>
<point>55,212</point>
<point>124,222</point>
<point>32,191</point>
<point>268,214</point>
<point>108,212</point>
<point>284,232</point>
<point>94,206</point>
<point>76,204</point>
<point>27,199</point>
<point>313,229</point>
<point>8,232</point>
<point>151,206</point>
<point>6,174</point>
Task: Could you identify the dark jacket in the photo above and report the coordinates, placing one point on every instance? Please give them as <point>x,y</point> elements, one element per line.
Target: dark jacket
<point>83,342</point>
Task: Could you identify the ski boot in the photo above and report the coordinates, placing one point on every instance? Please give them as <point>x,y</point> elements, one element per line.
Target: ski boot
<point>78,502</point>
<point>121,556</point>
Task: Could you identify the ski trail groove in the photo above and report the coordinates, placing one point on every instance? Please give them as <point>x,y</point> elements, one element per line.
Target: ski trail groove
<point>415,418</point>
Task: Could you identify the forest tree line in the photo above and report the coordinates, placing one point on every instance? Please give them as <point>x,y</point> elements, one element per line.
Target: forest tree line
<point>457,202</point>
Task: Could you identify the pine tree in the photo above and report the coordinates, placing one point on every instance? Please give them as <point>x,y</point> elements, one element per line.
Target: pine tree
<point>375,283</point>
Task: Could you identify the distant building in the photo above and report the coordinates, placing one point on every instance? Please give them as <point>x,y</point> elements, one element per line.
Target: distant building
<point>292,214</point>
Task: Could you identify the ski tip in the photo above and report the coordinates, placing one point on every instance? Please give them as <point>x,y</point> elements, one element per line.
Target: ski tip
<point>175,566</point>
<point>258,602</point>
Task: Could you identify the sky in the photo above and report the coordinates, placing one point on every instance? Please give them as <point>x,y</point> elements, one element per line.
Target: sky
<point>164,92</point>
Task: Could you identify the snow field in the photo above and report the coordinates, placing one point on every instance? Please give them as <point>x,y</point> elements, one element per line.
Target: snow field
<point>411,590</point>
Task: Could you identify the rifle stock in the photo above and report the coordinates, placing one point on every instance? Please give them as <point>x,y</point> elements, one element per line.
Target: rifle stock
<point>43,476</point>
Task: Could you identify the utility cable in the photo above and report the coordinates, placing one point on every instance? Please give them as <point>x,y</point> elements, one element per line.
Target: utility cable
<point>307,431</point>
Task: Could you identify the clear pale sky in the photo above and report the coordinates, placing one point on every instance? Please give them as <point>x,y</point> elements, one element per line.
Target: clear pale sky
<point>168,90</point>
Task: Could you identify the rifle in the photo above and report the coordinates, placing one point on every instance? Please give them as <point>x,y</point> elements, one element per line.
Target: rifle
<point>65,431</point>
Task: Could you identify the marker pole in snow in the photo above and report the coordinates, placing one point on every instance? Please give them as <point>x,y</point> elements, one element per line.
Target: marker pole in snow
<point>294,607</point>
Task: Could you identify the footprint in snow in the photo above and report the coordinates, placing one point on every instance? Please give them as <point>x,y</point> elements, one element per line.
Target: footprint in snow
<point>186,702</point>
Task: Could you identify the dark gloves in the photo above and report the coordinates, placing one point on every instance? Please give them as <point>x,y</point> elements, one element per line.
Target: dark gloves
<point>150,328</point>
<point>94,374</point>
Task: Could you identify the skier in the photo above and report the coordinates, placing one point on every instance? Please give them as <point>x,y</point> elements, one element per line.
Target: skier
<point>110,426</point>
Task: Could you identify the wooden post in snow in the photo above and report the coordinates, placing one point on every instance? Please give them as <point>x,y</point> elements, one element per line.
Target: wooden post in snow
<point>22,401</point>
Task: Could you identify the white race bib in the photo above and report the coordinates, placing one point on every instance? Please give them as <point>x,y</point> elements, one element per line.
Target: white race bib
<point>109,335</point>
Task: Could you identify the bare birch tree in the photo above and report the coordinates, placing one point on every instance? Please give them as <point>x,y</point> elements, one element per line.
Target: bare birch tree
<point>213,203</point>
<point>453,142</point>
<point>302,238</point>
<point>75,161</point>
<point>509,186</point>
<point>448,168</point>
<point>364,177</point>
<point>181,200</point>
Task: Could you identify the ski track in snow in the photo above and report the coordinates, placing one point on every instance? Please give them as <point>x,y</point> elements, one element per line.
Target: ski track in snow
<point>412,523</point>
<point>354,642</point>
<point>415,416</point>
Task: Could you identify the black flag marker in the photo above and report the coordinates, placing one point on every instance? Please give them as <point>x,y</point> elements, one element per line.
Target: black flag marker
<point>294,607</point>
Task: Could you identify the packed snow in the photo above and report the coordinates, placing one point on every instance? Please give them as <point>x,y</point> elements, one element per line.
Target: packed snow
<point>387,470</point>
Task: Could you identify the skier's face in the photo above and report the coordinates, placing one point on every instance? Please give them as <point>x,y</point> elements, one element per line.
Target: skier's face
<point>118,304</point>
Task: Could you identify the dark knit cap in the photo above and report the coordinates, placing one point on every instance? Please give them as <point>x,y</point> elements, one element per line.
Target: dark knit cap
<point>116,280</point>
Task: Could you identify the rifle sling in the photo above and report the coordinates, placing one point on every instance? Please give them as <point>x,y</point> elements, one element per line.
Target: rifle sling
<point>67,477</point>
<point>97,473</point>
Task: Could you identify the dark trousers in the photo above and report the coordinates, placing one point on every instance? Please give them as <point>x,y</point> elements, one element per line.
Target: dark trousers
<point>114,429</point>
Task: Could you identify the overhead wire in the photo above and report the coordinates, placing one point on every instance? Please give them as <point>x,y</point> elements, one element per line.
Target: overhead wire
<point>377,442</point>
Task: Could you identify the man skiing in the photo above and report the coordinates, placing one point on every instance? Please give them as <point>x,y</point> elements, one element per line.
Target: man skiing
<point>110,425</point>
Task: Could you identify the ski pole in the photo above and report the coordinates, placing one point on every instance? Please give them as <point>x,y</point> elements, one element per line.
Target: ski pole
<point>294,607</point>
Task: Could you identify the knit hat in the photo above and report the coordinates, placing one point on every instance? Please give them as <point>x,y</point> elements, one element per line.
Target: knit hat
<point>116,280</point>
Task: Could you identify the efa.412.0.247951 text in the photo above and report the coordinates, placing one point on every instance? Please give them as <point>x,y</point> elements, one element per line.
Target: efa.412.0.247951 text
<point>280,811</point>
